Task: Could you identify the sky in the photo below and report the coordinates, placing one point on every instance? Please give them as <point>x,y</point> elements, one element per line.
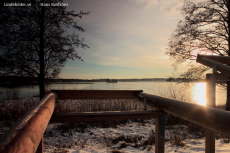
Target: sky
<point>127,39</point>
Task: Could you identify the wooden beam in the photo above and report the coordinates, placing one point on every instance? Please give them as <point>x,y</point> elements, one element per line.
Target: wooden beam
<point>160,134</point>
<point>219,59</point>
<point>211,99</point>
<point>210,63</point>
<point>104,116</point>
<point>222,77</point>
<point>41,148</point>
<point>97,94</point>
<point>26,134</point>
<point>208,117</point>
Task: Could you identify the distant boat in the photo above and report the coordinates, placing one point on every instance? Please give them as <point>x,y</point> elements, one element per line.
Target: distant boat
<point>111,81</point>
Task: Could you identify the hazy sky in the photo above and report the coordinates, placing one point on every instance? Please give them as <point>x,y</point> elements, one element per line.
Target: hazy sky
<point>127,38</point>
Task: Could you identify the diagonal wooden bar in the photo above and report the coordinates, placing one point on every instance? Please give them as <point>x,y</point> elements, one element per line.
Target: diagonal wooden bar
<point>219,59</point>
<point>104,116</point>
<point>28,131</point>
<point>208,61</point>
<point>208,117</point>
<point>97,94</point>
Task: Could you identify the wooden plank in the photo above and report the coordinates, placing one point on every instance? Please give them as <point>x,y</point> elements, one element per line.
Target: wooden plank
<point>97,94</point>
<point>26,134</point>
<point>209,141</point>
<point>104,116</point>
<point>40,148</point>
<point>219,59</point>
<point>160,134</point>
<point>211,99</point>
<point>211,90</point>
<point>210,63</point>
<point>222,77</point>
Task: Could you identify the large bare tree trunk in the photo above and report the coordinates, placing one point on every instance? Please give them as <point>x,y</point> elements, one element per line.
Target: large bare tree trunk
<point>41,55</point>
<point>228,82</point>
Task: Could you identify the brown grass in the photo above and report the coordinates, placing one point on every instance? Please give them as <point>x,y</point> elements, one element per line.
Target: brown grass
<point>14,109</point>
<point>95,105</point>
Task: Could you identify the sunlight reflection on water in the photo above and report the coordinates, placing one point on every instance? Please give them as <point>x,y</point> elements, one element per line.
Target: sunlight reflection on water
<point>199,93</point>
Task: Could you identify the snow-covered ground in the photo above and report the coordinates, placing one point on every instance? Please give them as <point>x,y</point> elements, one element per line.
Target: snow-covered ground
<point>122,137</point>
<point>130,137</point>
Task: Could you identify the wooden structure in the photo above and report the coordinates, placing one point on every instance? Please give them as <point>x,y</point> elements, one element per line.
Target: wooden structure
<point>220,72</point>
<point>28,131</point>
<point>219,62</point>
<point>97,94</point>
<point>208,117</point>
<point>112,115</point>
<point>104,116</point>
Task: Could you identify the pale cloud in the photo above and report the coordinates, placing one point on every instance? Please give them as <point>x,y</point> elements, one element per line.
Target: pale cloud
<point>149,4</point>
<point>171,7</point>
<point>137,61</point>
<point>71,68</point>
<point>167,7</point>
<point>80,76</point>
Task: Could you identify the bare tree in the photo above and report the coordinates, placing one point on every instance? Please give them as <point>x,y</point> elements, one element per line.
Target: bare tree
<point>204,30</point>
<point>34,40</point>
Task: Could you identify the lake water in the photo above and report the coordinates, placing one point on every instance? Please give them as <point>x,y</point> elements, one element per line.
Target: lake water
<point>195,92</point>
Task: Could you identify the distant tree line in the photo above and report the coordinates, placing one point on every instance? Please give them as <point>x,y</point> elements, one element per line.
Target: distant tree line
<point>13,81</point>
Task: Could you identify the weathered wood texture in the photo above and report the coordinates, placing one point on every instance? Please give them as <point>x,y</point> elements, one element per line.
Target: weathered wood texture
<point>211,102</point>
<point>211,118</point>
<point>219,59</point>
<point>97,94</point>
<point>104,116</point>
<point>223,77</point>
<point>41,148</point>
<point>208,61</point>
<point>160,134</point>
<point>211,90</point>
<point>27,133</point>
<point>209,141</point>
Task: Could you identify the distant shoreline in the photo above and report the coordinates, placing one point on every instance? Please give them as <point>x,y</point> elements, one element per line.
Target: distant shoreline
<point>15,81</point>
<point>70,83</point>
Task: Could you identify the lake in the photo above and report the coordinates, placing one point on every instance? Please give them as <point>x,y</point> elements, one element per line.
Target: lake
<point>194,92</point>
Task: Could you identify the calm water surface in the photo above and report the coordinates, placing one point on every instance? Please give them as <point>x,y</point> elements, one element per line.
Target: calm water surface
<point>195,92</point>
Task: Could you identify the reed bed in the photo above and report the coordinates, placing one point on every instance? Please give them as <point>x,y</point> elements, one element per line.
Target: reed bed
<point>95,105</point>
<point>14,109</point>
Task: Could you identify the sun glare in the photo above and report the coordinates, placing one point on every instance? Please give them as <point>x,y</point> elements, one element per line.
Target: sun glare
<point>199,93</point>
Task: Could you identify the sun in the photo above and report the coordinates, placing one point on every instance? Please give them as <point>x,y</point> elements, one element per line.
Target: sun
<point>199,93</point>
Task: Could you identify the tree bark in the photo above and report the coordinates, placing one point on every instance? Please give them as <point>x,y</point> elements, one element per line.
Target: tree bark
<point>41,55</point>
<point>228,34</point>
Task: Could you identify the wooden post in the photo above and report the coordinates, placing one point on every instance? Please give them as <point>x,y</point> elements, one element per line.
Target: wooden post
<point>40,148</point>
<point>160,134</point>
<point>210,96</point>
<point>145,104</point>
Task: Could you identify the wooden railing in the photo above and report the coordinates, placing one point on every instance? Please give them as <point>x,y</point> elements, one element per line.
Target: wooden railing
<point>25,134</point>
<point>208,117</point>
